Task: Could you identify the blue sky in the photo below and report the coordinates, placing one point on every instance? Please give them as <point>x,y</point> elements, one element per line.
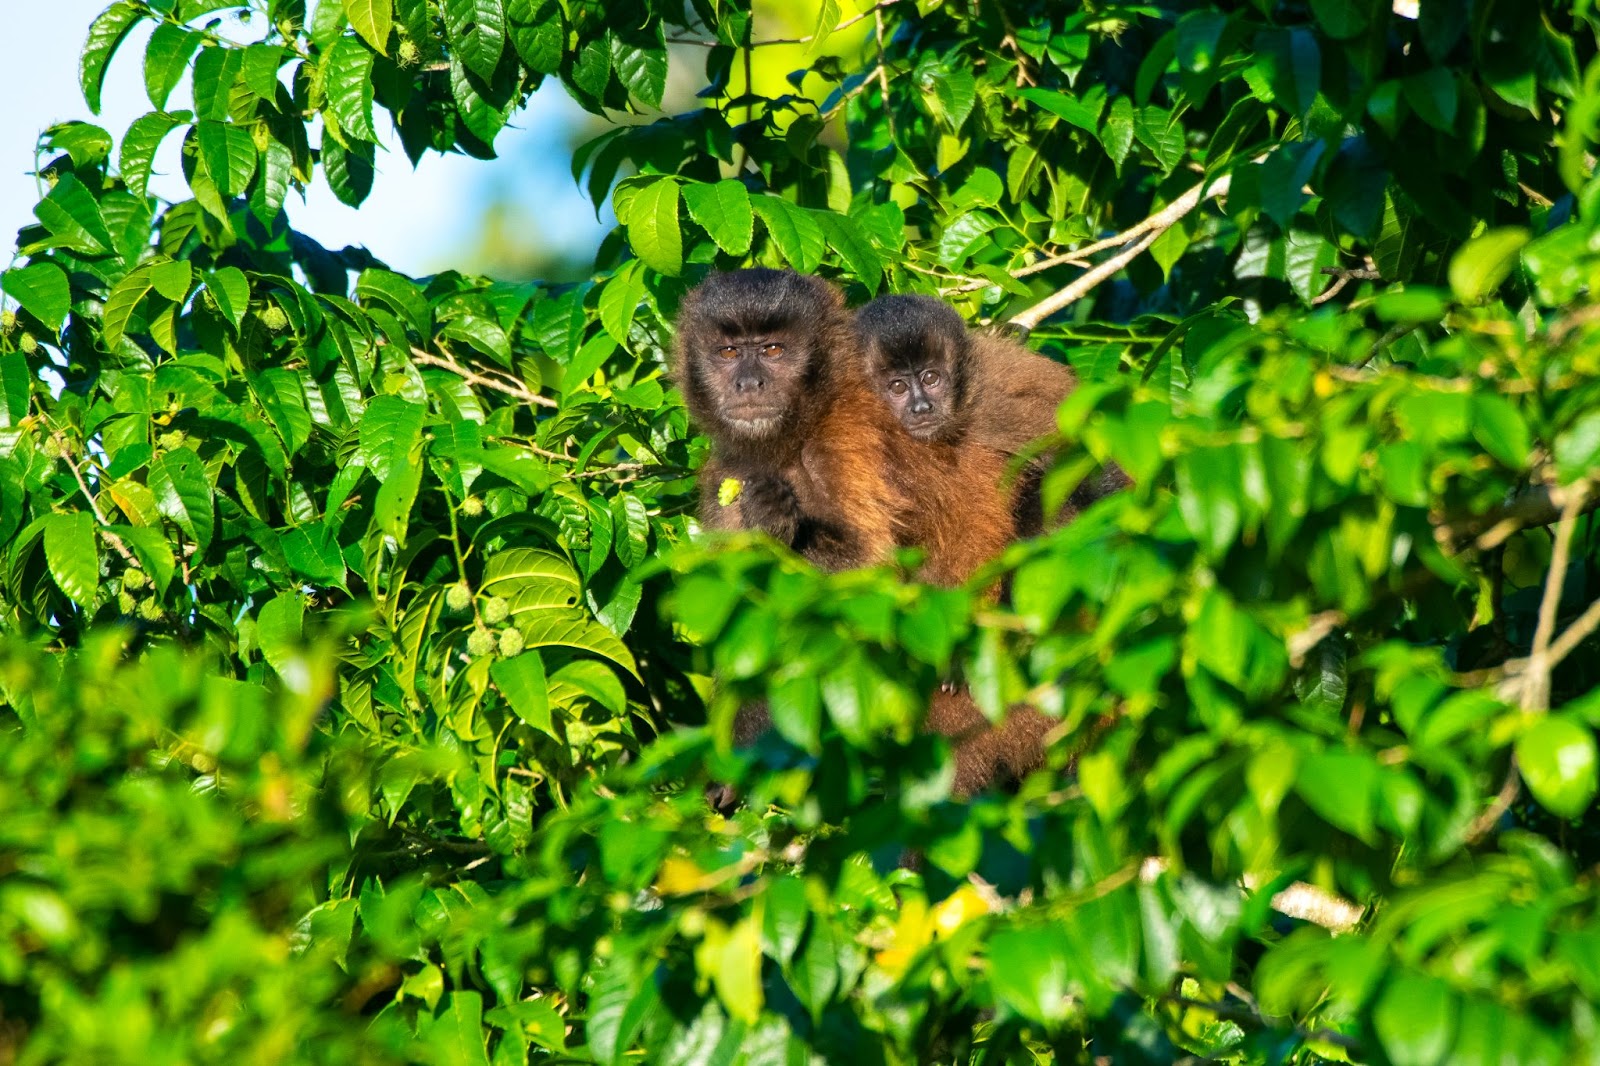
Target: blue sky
<point>418,221</point>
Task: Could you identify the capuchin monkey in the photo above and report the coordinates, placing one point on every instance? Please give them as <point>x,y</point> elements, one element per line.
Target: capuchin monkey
<point>771,370</point>
<point>949,385</point>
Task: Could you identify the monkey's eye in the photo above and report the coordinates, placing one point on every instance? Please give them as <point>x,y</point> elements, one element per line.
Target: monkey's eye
<point>897,387</point>
<point>772,351</point>
<point>728,351</point>
<point>930,377</point>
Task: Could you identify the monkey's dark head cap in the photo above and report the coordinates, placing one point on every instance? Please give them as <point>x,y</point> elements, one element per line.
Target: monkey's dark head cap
<point>760,299</point>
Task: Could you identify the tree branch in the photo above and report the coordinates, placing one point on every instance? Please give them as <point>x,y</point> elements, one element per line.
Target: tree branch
<point>1532,684</point>
<point>510,387</point>
<point>1148,232</point>
<point>94,504</point>
<point>1538,505</point>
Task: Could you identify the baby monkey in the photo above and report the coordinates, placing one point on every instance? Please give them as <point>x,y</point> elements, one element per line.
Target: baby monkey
<point>948,384</point>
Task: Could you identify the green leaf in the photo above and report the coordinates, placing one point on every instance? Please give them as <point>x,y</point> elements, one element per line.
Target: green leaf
<point>72,215</point>
<point>350,88</point>
<point>737,972</point>
<point>641,67</point>
<point>166,58</point>
<point>522,681</point>
<point>1082,113</point>
<point>574,628</point>
<point>231,291</point>
<point>1291,64</point>
<point>846,238</point>
<point>1117,133</point>
<point>796,233</point>
<point>457,1035</point>
<point>278,630</point>
<point>723,211</point>
<point>152,548</point>
<point>106,33</point>
<point>260,70</point>
<point>372,19</point>
<point>1558,761</point>
<point>1162,133</point>
<point>1415,1019</point>
<point>16,385</point>
<point>1478,268</point>
<point>121,303</point>
<point>229,153</point>
<point>349,171</point>
<point>391,510</point>
<point>1199,37</point>
<point>1577,448</point>
<point>71,551</point>
<point>171,279</point>
<point>477,33</point>
<point>215,71</point>
<point>1500,428</point>
<point>827,21</point>
<point>653,226</point>
<point>619,298</point>
<point>183,495</point>
<point>537,32</point>
<point>139,146</point>
<point>1028,972</point>
<point>43,291</point>
<point>400,293</point>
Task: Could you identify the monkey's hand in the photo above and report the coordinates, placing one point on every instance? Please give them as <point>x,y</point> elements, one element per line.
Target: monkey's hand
<point>769,504</point>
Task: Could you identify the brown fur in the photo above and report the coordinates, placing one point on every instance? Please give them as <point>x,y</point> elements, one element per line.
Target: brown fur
<point>981,749</point>
<point>995,395</point>
<point>828,470</point>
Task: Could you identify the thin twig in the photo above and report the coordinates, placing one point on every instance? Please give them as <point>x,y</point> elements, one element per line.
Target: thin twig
<point>1502,803</point>
<point>1579,631</point>
<point>1152,228</point>
<point>1353,273</point>
<point>1317,628</point>
<point>1300,900</point>
<point>1533,683</point>
<point>94,504</point>
<point>1538,505</point>
<point>473,377</point>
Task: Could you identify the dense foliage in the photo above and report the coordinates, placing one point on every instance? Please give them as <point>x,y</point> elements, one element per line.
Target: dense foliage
<point>357,653</point>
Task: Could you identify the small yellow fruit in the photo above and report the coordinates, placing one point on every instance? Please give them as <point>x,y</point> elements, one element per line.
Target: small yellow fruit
<point>458,598</point>
<point>480,643</point>
<point>510,643</point>
<point>729,491</point>
<point>274,318</point>
<point>496,610</point>
<point>472,507</point>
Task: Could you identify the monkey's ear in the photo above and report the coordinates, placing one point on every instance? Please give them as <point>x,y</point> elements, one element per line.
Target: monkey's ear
<point>1011,331</point>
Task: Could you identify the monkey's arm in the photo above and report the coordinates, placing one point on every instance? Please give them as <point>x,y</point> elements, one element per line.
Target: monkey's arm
<point>766,502</point>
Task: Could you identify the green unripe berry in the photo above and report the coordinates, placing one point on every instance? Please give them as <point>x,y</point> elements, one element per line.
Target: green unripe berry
<point>134,579</point>
<point>125,602</point>
<point>8,321</point>
<point>51,446</point>
<point>172,440</point>
<point>472,507</point>
<point>274,318</point>
<point>510,643</point>
<point>496,610</point>
<point>480,642</point>
<point>28,344</point>
<point>458,598</point>
<point>150,611</point>
<point>408,55</point>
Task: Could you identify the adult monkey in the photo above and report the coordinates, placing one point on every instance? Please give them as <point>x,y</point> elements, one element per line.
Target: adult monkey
<point>770,369</point>
<point>950,385</point>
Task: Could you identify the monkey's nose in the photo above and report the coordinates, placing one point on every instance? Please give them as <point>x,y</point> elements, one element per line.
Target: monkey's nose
<point>748,384</point>
<point>921,407</point>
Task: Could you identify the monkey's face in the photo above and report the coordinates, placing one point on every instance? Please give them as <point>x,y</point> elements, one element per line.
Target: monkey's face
<point>921,397</point>
<point>755,379</point>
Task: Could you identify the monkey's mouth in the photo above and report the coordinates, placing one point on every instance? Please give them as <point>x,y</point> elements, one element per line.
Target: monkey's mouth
<point>753,421</point>
<point>923,428</point>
